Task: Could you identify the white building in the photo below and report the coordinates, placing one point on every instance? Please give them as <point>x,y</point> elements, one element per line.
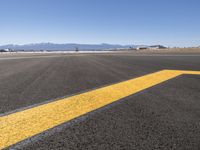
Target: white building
<point>5,50</point>
<point>156,47</point>
<point>141,48</point>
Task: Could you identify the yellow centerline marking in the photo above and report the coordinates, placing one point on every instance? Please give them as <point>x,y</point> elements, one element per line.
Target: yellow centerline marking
<point>27,123</point>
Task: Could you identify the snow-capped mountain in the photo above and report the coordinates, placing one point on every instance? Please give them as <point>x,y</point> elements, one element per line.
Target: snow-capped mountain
<point>68,46</point>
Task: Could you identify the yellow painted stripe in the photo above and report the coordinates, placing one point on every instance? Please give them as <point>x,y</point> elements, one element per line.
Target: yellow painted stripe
<point>24,124</point>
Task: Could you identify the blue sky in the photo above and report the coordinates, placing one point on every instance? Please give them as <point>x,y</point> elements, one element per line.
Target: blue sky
<point>167,22</point>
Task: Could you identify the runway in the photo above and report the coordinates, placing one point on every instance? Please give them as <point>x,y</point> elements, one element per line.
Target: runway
<point>164,116</point>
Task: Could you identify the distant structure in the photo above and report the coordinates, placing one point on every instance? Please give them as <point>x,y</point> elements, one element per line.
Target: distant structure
<point>76,49</point>
<point>150,47</point>
<point>156,47</point>
<point>6,50</point>
<point>132,48</point>
<point>141,48</point>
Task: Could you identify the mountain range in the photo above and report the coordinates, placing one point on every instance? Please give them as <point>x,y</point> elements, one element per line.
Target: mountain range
<point>63,47</point>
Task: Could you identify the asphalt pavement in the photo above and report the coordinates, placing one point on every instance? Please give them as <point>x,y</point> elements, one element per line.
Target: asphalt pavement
<point>166,116</point>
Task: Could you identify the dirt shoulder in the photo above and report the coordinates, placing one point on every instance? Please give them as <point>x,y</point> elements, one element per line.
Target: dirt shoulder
<point>171,50</point>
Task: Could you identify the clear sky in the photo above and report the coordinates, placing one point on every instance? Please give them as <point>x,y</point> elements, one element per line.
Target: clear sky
<point>167,22</point>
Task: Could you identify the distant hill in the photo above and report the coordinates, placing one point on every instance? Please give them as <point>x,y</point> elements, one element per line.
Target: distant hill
<point>63,47</point>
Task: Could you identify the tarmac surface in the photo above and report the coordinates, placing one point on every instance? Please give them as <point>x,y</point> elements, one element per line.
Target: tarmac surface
<point>166,116</point>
